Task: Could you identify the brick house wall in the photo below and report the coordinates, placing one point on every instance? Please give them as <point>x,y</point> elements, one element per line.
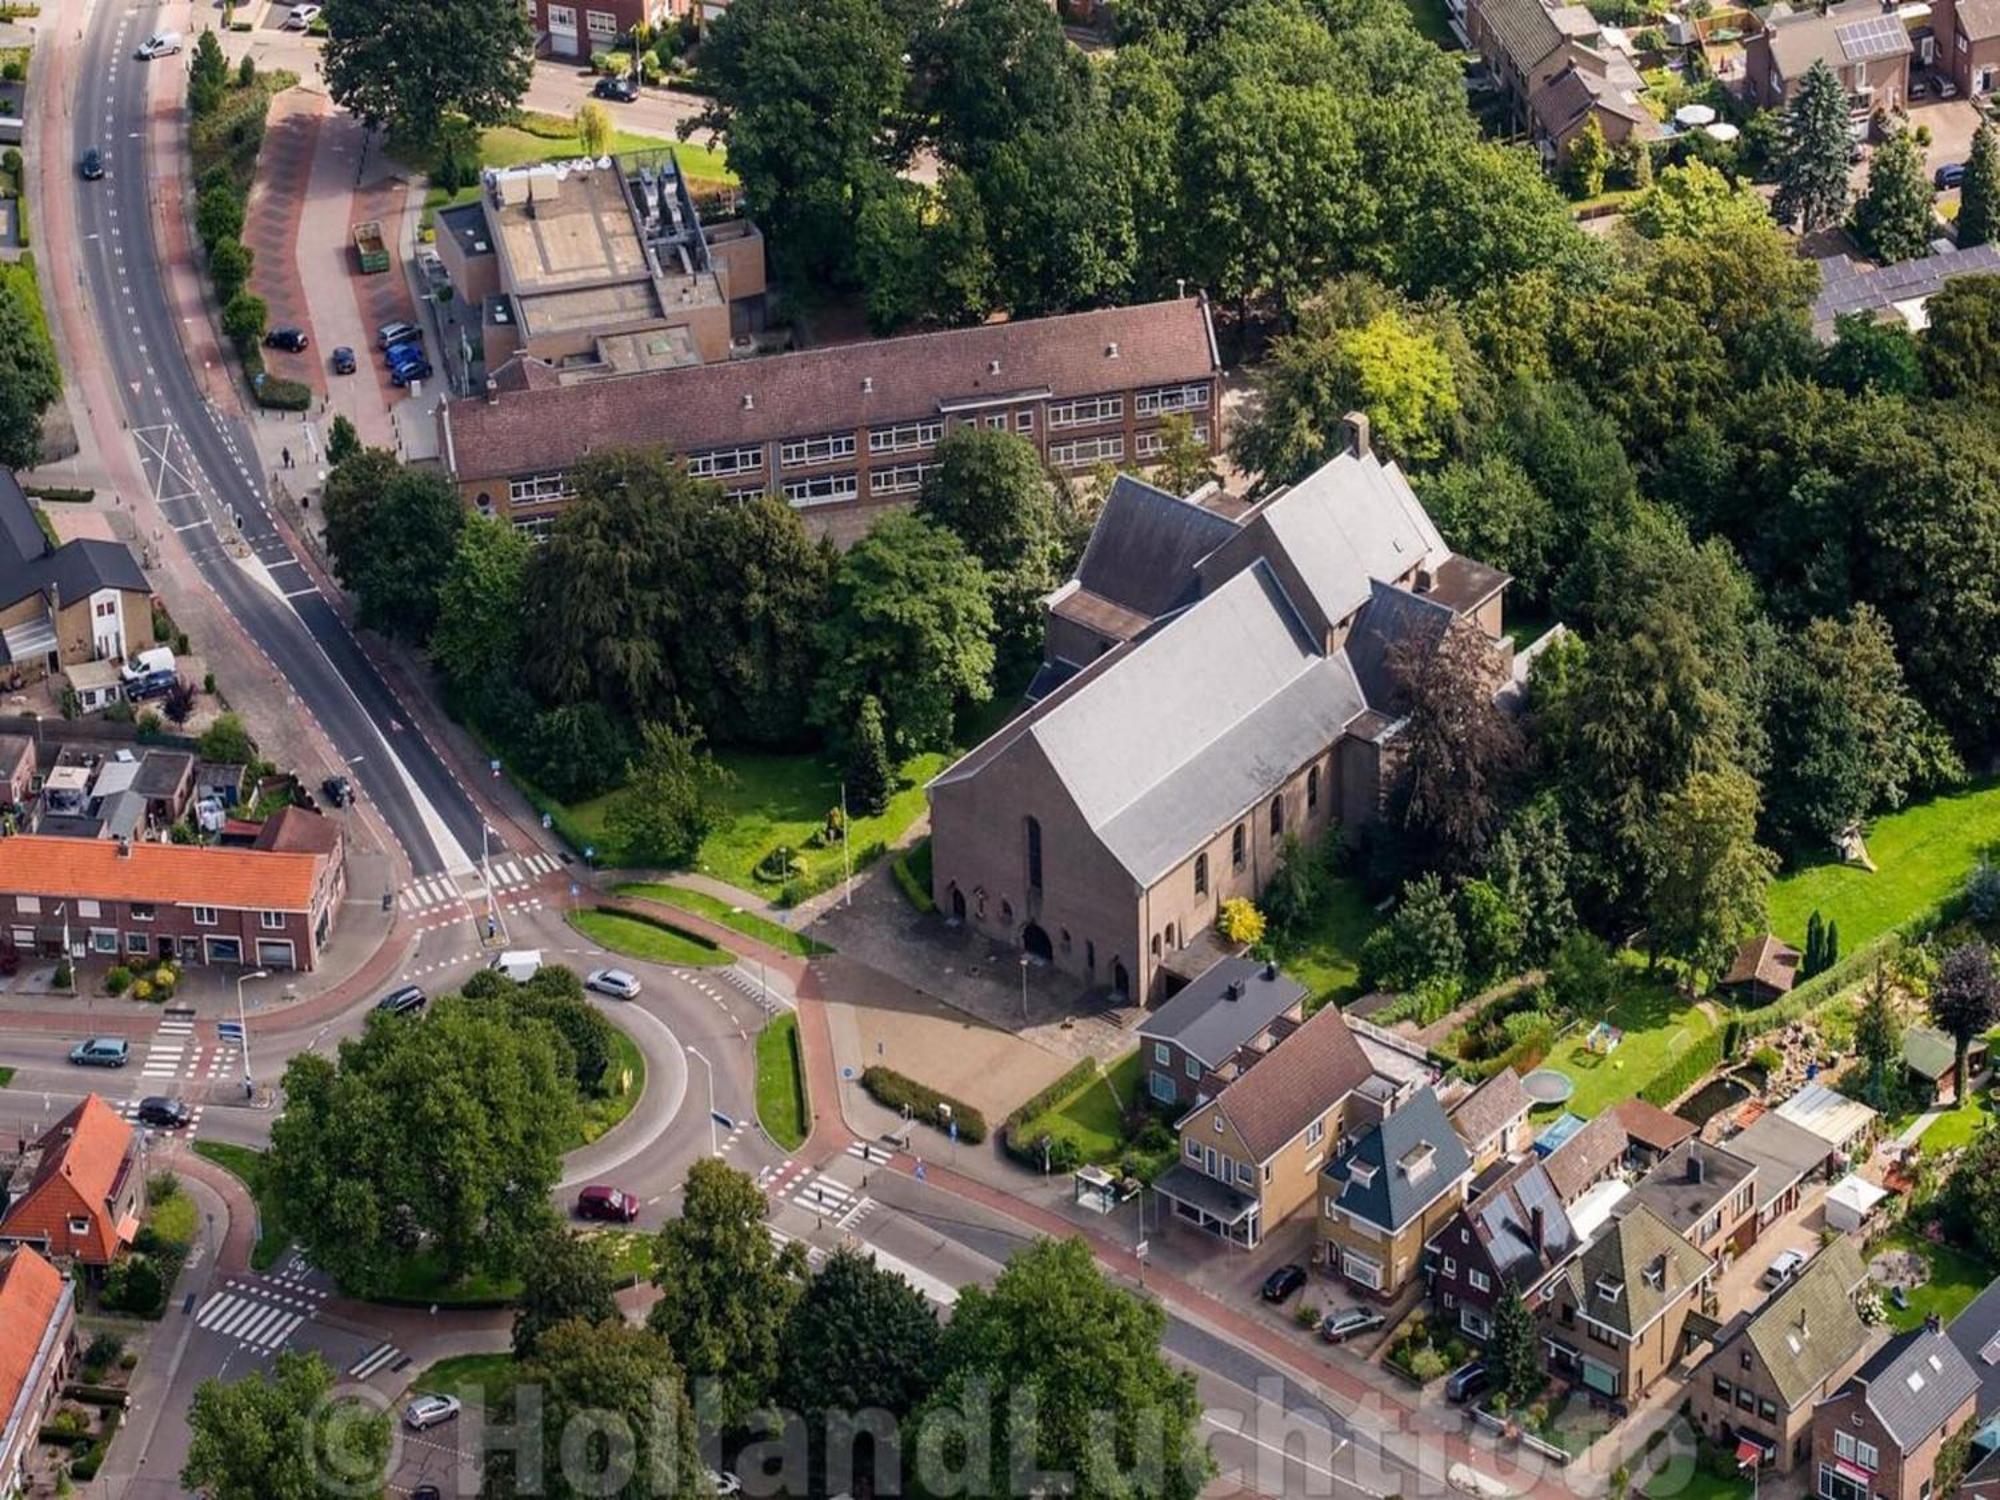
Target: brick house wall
<point>1896,1475</point>
<point>1283,1183</point>
<point>134,932</point>
<point>1399,1254</point>
<point>1637,1362</point>
<point>1736,1374</point>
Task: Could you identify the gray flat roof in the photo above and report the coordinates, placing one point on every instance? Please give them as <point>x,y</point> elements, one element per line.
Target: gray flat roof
<point>1231,1003</point>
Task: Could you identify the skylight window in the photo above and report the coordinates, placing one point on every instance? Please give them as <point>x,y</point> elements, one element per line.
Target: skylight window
<point>1916,1381</point>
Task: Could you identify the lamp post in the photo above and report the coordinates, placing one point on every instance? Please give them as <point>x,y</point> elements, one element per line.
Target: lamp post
<point>708,1068</point>
<point>243,1024</point>
<point>1024,989</point>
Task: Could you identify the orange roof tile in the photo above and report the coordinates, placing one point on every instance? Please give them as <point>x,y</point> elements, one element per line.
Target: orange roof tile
<point>94,869</point>
<point>30,1291</point>
<point>82,1156</point>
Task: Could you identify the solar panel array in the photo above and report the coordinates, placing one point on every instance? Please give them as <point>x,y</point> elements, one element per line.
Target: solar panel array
<point>1877,36</point>
<point>1846,287</point>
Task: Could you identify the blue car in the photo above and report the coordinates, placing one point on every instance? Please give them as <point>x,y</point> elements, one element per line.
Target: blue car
<point>404,350</point>
<point>404,374</point>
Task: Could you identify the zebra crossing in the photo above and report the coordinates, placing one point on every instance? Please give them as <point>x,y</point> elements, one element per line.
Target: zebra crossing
<point>815,1257</point>
<point>258,1315</point>
<point>522,870</point>
<point>376,1359</point>
<point>172,1045</point>
<point>833,1200</point>
<point>432,893</point>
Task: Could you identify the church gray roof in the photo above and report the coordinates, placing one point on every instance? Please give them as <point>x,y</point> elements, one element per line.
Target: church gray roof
<point>1143,549</point>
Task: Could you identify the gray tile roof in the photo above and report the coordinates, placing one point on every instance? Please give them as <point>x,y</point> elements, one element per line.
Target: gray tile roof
<point>28,564</point>
<point>1391,617</point>
<point>1914,1383</point>
<point>1809,1329</point>
<point>1584,1158</point>
<point>1237,999</point>
<point>1144,545</point>
<point>1927,1052</point>
<point>1675,1192</point>
<point>1401,1166</point>
<point>1635,1268</point>
<point>1524,29</point>
<point>1843,35</point>
<point>1976,1332</point>
<point>1979,19</point>
<point>1491,1106</point>
<point>1504,1219</point>
<point>1304,1076</point>
<point>1781,1151</point>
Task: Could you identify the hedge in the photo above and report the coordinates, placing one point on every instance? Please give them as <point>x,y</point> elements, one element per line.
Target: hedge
<point>911,887</point>
<point>1680,1075</point>
<point>892,1090</point>
<point>1827,984</point>
<point>86,1464</point>
<point>805,887</point>
<point>1040,1104</point>
<point>97,1395</point>
<point>283,395</point>
<point>60,492</point>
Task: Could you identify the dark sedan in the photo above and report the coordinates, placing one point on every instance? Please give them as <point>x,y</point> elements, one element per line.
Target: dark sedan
<point>92,165</point>
<point>1949,176</point>
<point>291,340</point>
<point>343,360</point>
<point>1282,1282</point>
<point>622,90</point>
<point>167,1114</point>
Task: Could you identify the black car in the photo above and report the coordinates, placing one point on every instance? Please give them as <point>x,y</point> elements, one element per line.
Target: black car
<point>92,165</point>
<point>406,1001</point>
<point>168,1114</point>
<point>1282,1282</point>
<point>623,90</point>
<point>343,360</point>
<point>1466,1382</point>
<point>1949,176</point>
<point>291,340</point>
<point>338,789</point>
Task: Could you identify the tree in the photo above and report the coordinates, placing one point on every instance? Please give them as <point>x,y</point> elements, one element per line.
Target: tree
<point>178,705</point>
<point>226,742</point>
<point>666,811</point>
<point>1583,974</point>
<point>563,1276</point>
<point>1710,872</point>
<point>726,1292</point>
<point>1878,1035</point>
<point>406,66</point>
<point>392,531</point>
<point>1421,940</point>
<point>445,1137</point>
<point>1587,159</point>
<point>281,1436</point>
<point>1404,381</point>
<point>990,490</point>
<point>1974,1194</point>
<point>1692,201</point>
<point>209,65</point>
<point>593,128</point>
<point>871,778</point>
<point>1814,958</point>
<point>218,216</point>
<point>1960,344</point>
<point>1892,219</point>
<point>229,262</point>
<point>1812,154</point>
<point>1965,1001</point>
<point>1979,190</point>
<point>995,72</point>
<point>1493,928</point>
<point>1513,1358</point>
<point>615,1418</point>
<point>478,631</point>
<point>1489,509</point>
<point>30,379</point>
<point>246,71</point>
<point>244,320</point>
<point>860,1339</point>
<point>1183,464</point>
<point>1458,745</point>
<point>1531,863</point>
<point>1057,1367</point>
<point>1869,357</point>
<point>911,624</point>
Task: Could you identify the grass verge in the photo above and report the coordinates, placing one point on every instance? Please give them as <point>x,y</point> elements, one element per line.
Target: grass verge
<point>173,1219</point>
<point>655,942</point>
<point>6,1077</point>
<point>735,918</point>
<point>480,1381</point>
<point>1324,954</point>
<point>1956,1278</point>
<point>250,1167</point>
<point>781,1083</point>
<point>601,1113</point>
<point>421,1280</point>
<point>1093,1117</point>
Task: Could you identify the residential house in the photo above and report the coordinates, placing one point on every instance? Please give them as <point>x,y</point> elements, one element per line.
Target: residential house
<point>83,601</point>
<point>1589,1157</point>
<point>1763,970</point>
<point>1615,1320</point>
<point>166,784</point>
<point>1190,1046</point>
<point>76,1192</point>
<point>1785,1154</point>
<point>843,432</point>
<point>1707,1193</point>
<point>1493,1119</point>
<point>37,1349</point>
<point>17,770</point>
<point>1755,1394</point>
<point>1383,1199</point>
<point>1867,46</point>
<point>1103,827</point>
<point>1930,1062</point>
<point>197,904</point>
<point>1650,1132</point>
<point>1968,41</point>
<point>1879,1434</point>
<point>1506,1242</point>
<point>1560,71</point>
<point>1250,1156</point>
<point>1976,1332</point>
<point>1844,1124</point>
<point>592,26</point>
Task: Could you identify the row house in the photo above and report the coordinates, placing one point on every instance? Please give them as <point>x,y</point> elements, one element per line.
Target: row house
<point>1384,1198</point>
<point>1507,1243</point>
<point>77,1192</point>
<point>1616,1318</point>
<point>1867,46</point>
<point>1878,1437</point>
<point>37,1353</point>
<point>1707,1193</point>
<point>1493,1120</point>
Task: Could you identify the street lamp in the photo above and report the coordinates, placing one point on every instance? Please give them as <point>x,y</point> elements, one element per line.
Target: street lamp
<point>1024,989</point>
<point>707,1067</point>
<point>242,1024</point>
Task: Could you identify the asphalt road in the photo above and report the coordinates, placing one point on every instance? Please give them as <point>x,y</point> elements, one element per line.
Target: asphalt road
<point>204,469</point>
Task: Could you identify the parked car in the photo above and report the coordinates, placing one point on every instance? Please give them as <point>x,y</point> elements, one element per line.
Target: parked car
<point>302,17</point>
<point>614,982</point>
<point>92,165</point>
<point>168,1114</point>
<point>1344,1323</point>
<point>404,374</point>
<point>343,360</point>
<point>152,685</point>
<point>101,1052</point>
<point>406,346</point>
<point>600,1202</point>
<point>518,964</point>
<point>1949,176</point>
<point>1282,1282</point>
<point>405,1001</point>
<point>291,340</point>
<point>1784,1268</point>
<point>159,44</point>
<point>338,790</point>
<point>623,90</point>
<point>1466,1382</point>
<point>428,1411</point>
<point>396,333</point>
<point>426,1492</point>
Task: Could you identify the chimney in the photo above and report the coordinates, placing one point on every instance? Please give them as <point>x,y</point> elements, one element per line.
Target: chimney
<point>1426,580</point>
<point>749,402</point>
<point>1934,1323</point>
<point>993,367</point>
<point>492,390</point>
<point>1538,1225</point>
<point>1232,990</point>
<point>1695,1169</point>
<point>1111,350</point>
<point>1355,426</point>
<point>124,848</point>
<point>1270,968</point>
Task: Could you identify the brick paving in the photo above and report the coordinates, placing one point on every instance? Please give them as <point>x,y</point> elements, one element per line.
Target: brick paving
<point>271,230</point>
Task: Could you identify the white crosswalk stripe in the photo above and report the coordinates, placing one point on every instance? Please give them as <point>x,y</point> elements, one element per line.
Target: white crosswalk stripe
<point>248,1317</point>
<point>833,1200</point>
<point>375,1359</point>
<point>815,1257</point>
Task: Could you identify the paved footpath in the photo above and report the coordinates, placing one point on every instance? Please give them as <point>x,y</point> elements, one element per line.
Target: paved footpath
<point>271,230</point>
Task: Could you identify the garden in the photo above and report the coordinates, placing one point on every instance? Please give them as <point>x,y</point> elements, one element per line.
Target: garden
<point>1095,1116</point>
<point>648,940</point>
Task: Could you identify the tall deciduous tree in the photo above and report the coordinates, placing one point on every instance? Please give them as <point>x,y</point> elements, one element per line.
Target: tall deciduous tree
<point>993,72</point>
<point>1587,160</point>
<point>392,532</point>
<point>990,490</point>
<point>1892,219</point>
<point>563,1276</point>
<point>279,1436</point>
<point>1965,1001</point>
<point>1489,509</point>
<point>1694,200</point>
<point>1459,746</point>
<point>29,378</point>
<point>667,811</point>
<point>1531,862</point>
<point>1812,155</point>
<point>1871,358</point>
<point>726,1292</point>
<point>1057,1367</point>
<point>479,628</point>
<point>593,127</point>
<point>406,65</point>
<point>1979,190</point>
<point>1960,344</point>
<point>1709,872</point>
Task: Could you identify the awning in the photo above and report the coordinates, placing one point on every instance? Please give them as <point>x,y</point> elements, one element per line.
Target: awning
<point>128,1229</point>
<point>1852,1473</point>
<point>1750,1452</point>
<point>1201,1192</point>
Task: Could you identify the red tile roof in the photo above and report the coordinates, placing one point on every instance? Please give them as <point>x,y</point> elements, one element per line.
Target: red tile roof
<point>94,869</point>
<point>293,830</point>
<point>1767,960</point>
<point>30,1292</point>
<point>835,389</point>
<point>83,1158</point>
<point>1650,1125</point>
<point>1304,1076</point>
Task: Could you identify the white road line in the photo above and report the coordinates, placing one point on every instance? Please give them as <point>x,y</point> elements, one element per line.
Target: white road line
<point>212,1309</point>
<point>283,1331</point>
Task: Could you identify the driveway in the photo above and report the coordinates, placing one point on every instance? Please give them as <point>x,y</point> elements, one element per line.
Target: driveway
<point>1741,1286</point>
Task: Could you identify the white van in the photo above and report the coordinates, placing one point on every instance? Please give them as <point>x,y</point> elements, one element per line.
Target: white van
<point>160,44</point>
<point>518,964</point>
<point>152,660</point>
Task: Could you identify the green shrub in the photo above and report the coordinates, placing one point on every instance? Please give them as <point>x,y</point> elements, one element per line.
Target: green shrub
<point>142,990</point>
<point>915,891</point>
<point>892,1090</point>
<point>117,979</point>
<point>274,394</point>
<point>62,493</point>
<point>1030,1151</point>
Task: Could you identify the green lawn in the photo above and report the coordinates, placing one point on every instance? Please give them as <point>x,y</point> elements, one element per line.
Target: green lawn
<point>634,1252</point>
<point>1325,954</point>
<point>1700,1485</point>
<point>1657,1024</point>
<point>1433,21</point>
<point>781,1085</point>
<point>637,938</point>
<point>735,918</point>
<point>249,1167</point>
<point>421,1279</point>
<point>1956,1128</point>
<point>628,1064</point>
<point>478,1380</point>
<point>1956,1278</point>
<point>173,1219</point>
<point>1922,854</point>
<point>1094,1116</point>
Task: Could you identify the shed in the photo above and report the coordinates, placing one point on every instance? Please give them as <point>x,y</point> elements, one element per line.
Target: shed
<point>1850,1201</point>
<point>95,683</point>
<point>1928,1056</point>
<point>1841,1122</point>
<point>1763,970</point>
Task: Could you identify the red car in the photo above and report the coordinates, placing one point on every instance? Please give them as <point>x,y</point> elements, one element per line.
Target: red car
<point>607,1203</point>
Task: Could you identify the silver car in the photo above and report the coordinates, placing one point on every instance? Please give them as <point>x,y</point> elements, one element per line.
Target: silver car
<point>428,1411</point>
<point>614,982</point>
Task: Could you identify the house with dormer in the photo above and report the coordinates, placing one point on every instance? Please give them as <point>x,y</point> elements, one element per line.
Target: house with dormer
<point>76,1194</point>
<point>1201,1040</point>
<point>1616,1319</point>
<point>1507,1242</point>
<point>1880,1434</point>
<point>1384,1198</point>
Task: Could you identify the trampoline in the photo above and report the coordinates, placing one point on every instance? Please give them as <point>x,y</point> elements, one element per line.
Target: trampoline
<point>1547,1086</point>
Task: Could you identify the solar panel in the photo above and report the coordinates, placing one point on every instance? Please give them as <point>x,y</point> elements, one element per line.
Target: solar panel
<point>1877,36</point>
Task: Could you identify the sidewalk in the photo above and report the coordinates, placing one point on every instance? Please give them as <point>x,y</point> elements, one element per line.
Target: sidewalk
<point>271,231</point>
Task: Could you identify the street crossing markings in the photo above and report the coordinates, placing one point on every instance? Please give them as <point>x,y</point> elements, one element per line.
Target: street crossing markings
<point>834,1200</point>
<point>244,1315</point>
<point>375,1359</point>
<point>815,1257</point>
